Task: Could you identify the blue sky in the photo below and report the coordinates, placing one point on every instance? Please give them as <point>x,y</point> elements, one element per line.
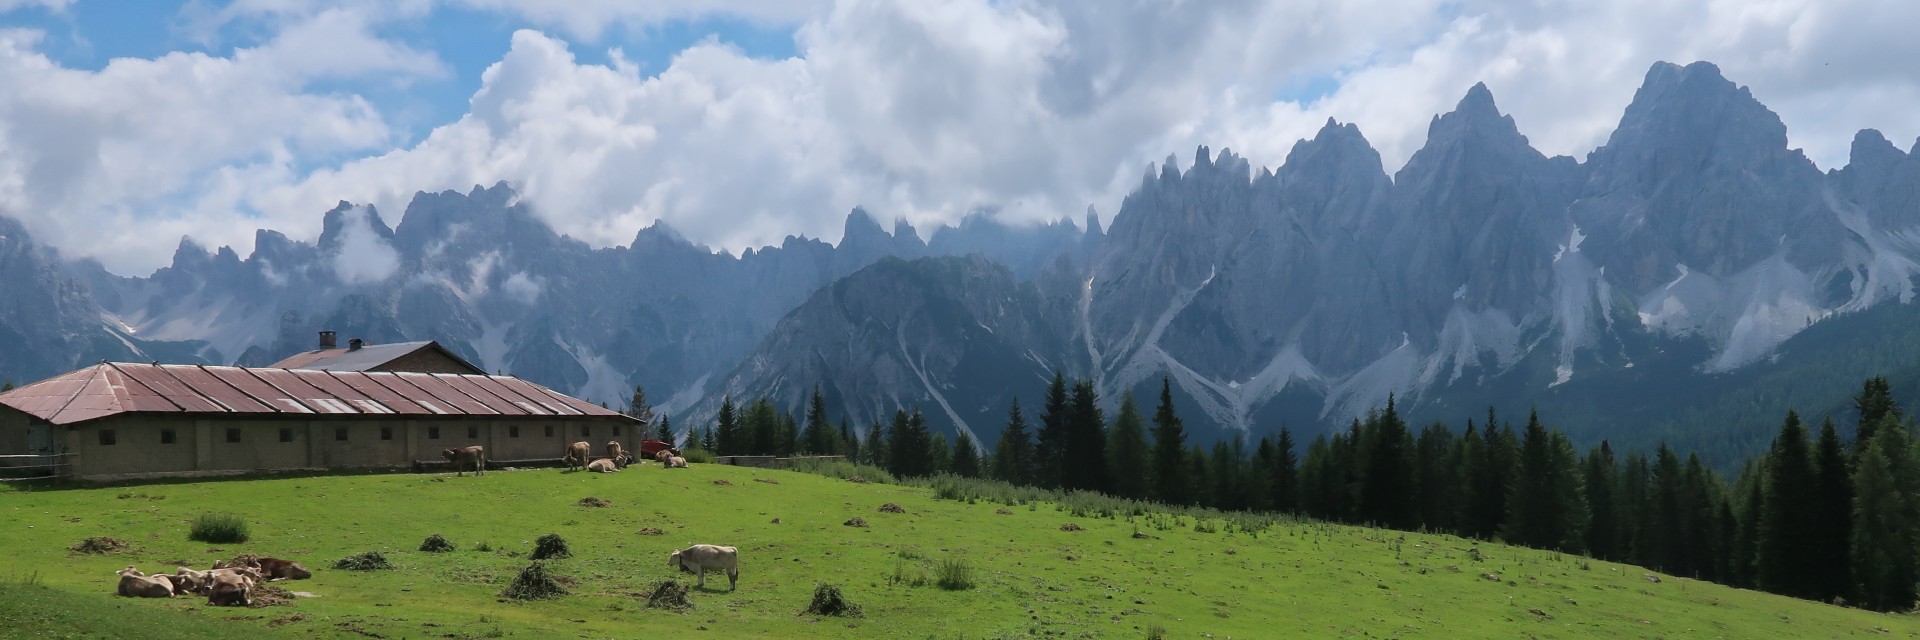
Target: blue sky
<point>128,125</point>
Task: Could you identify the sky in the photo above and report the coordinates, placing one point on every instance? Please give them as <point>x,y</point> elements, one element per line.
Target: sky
<point>126,125</point>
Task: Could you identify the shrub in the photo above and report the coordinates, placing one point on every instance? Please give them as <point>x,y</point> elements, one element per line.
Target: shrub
<point>369,561</point>
<point>843,470</point>
<point>551,547</point>
<point>697,456</point>
<point>534,583</point>
<point>955,575</point>
<point>219,528</point>
<point>827,601</point>
<point>1156,632</point>
<point>436,543</point>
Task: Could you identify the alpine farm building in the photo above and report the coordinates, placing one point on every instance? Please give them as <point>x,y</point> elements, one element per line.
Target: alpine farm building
<point>119,420</point>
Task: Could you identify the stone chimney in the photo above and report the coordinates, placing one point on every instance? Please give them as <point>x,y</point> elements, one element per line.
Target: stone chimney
<point>326,340</point>
<point>354,344</point>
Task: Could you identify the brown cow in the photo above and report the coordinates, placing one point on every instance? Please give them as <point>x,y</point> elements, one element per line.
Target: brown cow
<point>475,455</point>
<point>277,569</point>
<point>231,589</point>
<point>676,462</point>
<point>617,454</point>
<point>134,584</point>
<point>577,455</point>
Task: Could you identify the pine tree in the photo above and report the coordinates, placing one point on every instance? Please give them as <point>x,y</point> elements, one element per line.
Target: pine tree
<point>1223,468</point>
<point>1543,499</point>
<point>1085,461</point>
<point>850,443</point>
<point>939,454</point>
<point>911,445</point>
<point>1874,405</point>
<point>760,428</point>
<point>1127,452</point>
<point>638,407</point>
<point>1387,492</point>
<point>1170,460</point>
<point>709,441</point>
<point>1833,501</point>
<point>1315,494</point>
<point>1746,538</point>
<point>1884,565</point>
<point>877,446</point>
<point>1788,530</point>
<point>1050,445</point>
<point>1493,469</point>
<point>1284,480</point>
<point>787,439</point>
<point>816,438</point>
<point>1635,495</point>
<point>1665,548</point>
<point>966,457</point>
<point>1603,529</point>
<point>1013,456</point>
<point>1202,472</point>
<point>1700,531</point>
<point>729,441</point>
<point>1434,479</point>
<point>664,431</point>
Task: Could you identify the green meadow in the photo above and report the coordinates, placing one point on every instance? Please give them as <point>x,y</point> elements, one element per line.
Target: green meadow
<point>1031,575</point>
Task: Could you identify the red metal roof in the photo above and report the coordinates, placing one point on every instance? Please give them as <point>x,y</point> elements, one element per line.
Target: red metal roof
<point>113,388</point>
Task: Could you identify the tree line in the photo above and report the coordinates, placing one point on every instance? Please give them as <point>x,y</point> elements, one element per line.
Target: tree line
<point>1818,516</point>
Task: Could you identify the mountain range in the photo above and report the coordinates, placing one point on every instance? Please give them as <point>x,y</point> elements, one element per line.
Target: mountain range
<point>1637,294</point>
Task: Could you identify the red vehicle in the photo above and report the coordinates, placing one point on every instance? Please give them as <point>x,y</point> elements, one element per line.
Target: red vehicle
<point>650,447</point>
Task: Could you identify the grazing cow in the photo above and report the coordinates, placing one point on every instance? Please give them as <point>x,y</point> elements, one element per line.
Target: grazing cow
<point>602,466</point>
<point>277,569</point>
<point>576,455</point>
<point>134,584</point>
<point>231,588</point>
<point>475,455</point>
<point>617,454</point>
<point>698,558</point>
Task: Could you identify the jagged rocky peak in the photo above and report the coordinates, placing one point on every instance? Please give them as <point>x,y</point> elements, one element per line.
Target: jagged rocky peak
<point>1872,152</point>
<point>1680,115</point>
<point>1338,149</point>
<point>433,217</point>
<point>335,225</point>
<point>1092,225</point>
<point>1475,118</point>
<point>861,227</point>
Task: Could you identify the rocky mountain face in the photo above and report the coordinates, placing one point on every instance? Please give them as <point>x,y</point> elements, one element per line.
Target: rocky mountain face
<point>1685,251</point>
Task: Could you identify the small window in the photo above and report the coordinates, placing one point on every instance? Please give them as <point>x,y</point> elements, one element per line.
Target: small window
<point>616,431</point>
<point>433,433</point>
<point>586,431</point>
<point>233,435</point>
<point>513,431</point>
<point>386,433</point>
<point>340,434</point>
<point>549,431</point>
<point>107,438</point>
<point>286,435</point>
<point>473,433</point>
<point>166,436</point>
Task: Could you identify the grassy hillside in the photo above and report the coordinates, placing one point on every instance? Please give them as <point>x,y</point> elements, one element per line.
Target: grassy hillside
<point>1032,578</point>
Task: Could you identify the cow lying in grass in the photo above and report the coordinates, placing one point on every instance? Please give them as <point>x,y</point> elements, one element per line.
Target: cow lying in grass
<point>676,462</point>
<point>618,454</point>
<point>602,466</point>
<point>698,558</point>
<point>576,456</point>
<point>475,455</point>
<point>231,587</point>
<point>134,584</point>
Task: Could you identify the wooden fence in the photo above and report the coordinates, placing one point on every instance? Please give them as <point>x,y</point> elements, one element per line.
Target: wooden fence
<point>770,462</point>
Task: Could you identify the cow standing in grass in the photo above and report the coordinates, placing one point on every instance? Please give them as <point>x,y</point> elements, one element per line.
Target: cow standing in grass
<point>698,558</point>
<point>576,456</point>
<point>475,455</point>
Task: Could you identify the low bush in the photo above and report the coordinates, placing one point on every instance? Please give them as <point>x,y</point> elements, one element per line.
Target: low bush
<point>955,575</point>
<point>219,528</point>
<point>697,456</point>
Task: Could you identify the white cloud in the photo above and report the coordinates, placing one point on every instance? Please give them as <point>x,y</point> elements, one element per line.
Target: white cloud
<point>55,5</point>
<point>364,255</point>
<point>925,110</point>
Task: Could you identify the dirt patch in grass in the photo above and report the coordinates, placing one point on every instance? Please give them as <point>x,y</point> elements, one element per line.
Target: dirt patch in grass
<point>828,601</point>
<point>265,595</point>
<point>1072,527</point>
<point>891,508</point>
<point>671,596</point>
<point>856,522</point>
<point>369,561</point>
<point>100,545</point>
<point>722,483</point>
<point>1003,511</point>
<point>286,621</point>
<point>766,480</point>
<point>651,531</point>
<point>551,547</point>
<point>534,583</point>
<point>243,560</point>
<point>436,543</point>
<point>591,501</point>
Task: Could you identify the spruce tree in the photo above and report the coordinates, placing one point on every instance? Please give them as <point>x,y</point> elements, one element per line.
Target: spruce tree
<point>817,437</point>
<point>1701,526</point>
<point>939,454</point>
<point>1598,476</point>
<point>1538,509</point>
<point>1387,493</point>
<point>1434,478</point>
<point>1284,481</point>
<point>1884,565</point>
<point>1202,473</point>
<point>1874,405</point>
<point>1224,481</point>
<point>1788,529</point>
<point>966,457</point>
<point>1314,493</point>
<point>1746,538</point>
<point>1170,460</point>
<point>849,443</point>
<point>728,439</point>
<point>877,446</point>
<point>664,431</point>
<point>709,441</point>
<point>638,407</point>
<point>1666,549</point>
<point>1085,462</point>
<point>1050,445</point>
<point>1127,452</point>
<point>1833,500</point>
<point>1013,456</point>
<point>903,448</point>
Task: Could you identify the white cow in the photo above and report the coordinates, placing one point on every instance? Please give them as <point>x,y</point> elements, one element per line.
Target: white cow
<point>134,584</point>
<point>698,558</point>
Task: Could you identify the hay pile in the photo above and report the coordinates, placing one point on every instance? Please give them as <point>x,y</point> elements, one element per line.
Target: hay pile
<point>670,595</point>
<point>856,522</point>
<point>722,483</point>
<point>369,561</point>
<point>534,583</point>
<point>591,501</point>
<point>650,531</point>
<point>827,601</point>
<point>436,543</point>
<point>100,545</point>
<point>1072,527</point>
<point>551,547</point>
<point>891,508</point>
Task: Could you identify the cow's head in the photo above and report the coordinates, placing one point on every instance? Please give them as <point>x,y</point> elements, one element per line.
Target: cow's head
<point>674,560</point>
<point>130,571</point>
<point>450,454</point>
<point>297,571</point>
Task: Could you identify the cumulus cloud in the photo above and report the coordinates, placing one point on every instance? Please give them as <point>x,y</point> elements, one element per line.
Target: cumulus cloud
<point>923,110</point>
<point>364,255</point>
